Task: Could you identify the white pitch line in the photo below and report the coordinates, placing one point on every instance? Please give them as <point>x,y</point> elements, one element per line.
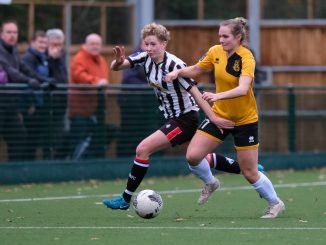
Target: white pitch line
<point>236,188</point>
<point>155,228</point>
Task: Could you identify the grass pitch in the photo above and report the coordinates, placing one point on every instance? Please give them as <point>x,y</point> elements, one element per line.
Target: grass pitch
<point>72,213</point>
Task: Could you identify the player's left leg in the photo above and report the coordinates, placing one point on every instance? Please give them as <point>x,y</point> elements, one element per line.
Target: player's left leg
<point>248,164</point>
<point>153,143</point>
<point>246,144</point>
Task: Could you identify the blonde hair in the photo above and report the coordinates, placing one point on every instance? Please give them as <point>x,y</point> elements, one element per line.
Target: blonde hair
<point>157,30</point>
<point>238,26</point>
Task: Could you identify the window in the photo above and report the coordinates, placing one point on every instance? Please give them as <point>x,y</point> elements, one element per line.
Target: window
<point>199,9</point>
<point>118,26</point>
<point>293,9</point>
<point>319,9</point>
<point>53,14</point>
<point>222,9</point>
<point>177,9</point>
<point>85,20</point>
<point>17,13</point>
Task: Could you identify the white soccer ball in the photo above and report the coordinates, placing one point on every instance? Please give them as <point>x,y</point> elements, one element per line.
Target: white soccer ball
<point>148,204</point>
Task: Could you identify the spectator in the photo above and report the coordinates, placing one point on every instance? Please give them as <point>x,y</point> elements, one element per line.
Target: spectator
<point>12,127</point>
<point>35,115</point>
<point>88,67</point>
<point>58,69</point>
<point>3,75</point>
<point>138,119</point>
<point>57,55</point>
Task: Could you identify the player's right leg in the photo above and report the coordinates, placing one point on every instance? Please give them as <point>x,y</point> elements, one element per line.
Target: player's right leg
<point>153,143</point>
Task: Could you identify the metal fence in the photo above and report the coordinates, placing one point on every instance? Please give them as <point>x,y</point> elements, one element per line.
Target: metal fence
<point>39,125</point>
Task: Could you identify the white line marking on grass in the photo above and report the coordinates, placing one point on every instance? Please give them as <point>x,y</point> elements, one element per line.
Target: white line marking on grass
<point>155,228</point>
<point>236,188</point>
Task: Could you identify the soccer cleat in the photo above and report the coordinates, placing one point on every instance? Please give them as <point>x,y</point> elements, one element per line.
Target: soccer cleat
<point>208,191</point>
<point>260,168</point>
<point>116,203</point>
<point>274,211</point>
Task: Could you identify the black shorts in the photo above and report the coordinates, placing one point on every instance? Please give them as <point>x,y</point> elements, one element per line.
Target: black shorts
<point>244,136</point>
<point>180,130</point>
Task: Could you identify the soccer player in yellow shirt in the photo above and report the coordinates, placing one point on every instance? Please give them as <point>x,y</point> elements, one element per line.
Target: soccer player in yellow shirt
<point>233,65</point>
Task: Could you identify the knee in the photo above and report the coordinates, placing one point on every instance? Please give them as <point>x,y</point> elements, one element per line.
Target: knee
<point>142,151</point>
<point>251,174</point>
<point>192,159</point>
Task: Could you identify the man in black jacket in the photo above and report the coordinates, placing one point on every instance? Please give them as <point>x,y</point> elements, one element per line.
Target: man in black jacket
<point>58,69</point>
<point>37,118</point>
<point>57,55</point>
<point>12,128</point>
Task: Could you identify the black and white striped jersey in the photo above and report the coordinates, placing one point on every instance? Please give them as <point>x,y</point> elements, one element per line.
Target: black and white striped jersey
<point>173,97</point>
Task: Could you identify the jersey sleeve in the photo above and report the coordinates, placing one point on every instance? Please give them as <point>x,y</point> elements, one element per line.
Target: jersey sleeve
<point>206,62</point>
<point>248,65</point>
<point>137,59</point>
<point>186,83</point>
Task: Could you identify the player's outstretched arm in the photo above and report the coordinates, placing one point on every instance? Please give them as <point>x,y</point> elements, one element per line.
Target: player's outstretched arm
<point>189,71</point>
<point>120,62</point>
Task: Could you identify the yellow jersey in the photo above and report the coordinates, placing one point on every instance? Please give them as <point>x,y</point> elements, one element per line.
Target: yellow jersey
<point>227,70</point>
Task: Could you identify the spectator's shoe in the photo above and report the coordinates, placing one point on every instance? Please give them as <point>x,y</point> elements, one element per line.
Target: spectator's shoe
<point>116,203</point>
<point>207,191</point>
<point>274,211</point>
<point>260,168</point>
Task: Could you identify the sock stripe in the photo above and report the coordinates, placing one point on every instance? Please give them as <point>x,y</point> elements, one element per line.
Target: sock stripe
<point>212,160</point>
<point>128,192</point>
<point>211,163</point>
<point>141,162</point>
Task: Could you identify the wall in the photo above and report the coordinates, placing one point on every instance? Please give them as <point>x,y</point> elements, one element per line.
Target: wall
<point>290,46</point>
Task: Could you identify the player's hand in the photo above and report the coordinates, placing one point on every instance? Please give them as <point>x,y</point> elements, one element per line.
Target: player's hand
<point>120,55</point>
<point>210,97</point>
<point>222,123</point>
<point>171,76</point>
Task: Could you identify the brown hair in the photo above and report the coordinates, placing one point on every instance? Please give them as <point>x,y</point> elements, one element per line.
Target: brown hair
<point>38,34</point>
<point>156,30</point>
<point>238,26</point>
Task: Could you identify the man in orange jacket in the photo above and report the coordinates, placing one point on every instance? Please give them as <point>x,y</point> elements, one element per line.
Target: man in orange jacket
<point>89,69</point>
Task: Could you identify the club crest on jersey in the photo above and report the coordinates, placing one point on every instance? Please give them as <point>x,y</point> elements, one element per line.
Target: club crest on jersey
<point>236,65</point>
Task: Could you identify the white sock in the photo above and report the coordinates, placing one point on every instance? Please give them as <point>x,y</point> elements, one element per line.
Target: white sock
<point>266,190</point>
<point>203,171</point>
